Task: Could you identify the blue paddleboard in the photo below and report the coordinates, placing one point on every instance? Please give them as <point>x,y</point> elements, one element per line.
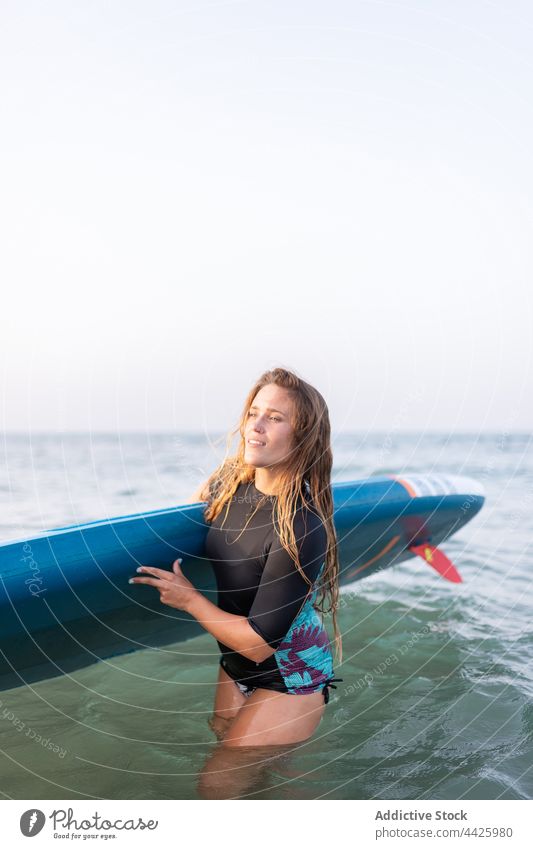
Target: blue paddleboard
<point>65,600</point>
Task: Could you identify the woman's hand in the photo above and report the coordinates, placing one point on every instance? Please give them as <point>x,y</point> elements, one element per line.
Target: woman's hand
<point>174,588</point>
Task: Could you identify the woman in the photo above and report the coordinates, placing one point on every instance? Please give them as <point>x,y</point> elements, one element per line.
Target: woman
<point>273,548</point>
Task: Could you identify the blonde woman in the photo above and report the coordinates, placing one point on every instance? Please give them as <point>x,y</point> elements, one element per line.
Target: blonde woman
<point>273,548</point>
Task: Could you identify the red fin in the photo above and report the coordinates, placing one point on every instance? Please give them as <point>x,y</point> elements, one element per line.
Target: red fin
<point>438,560</point>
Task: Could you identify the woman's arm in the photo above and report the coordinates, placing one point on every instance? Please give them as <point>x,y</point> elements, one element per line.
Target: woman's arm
<point>280,595</point>
<point>233,631</point>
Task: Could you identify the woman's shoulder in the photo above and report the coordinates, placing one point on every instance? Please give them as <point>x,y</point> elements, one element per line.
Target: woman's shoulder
<point>307,519</point>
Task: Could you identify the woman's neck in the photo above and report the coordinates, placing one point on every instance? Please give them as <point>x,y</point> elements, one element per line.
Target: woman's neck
<point>266,481</point>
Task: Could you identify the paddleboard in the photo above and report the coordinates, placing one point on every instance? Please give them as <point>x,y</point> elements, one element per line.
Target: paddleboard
<point>65,600</point>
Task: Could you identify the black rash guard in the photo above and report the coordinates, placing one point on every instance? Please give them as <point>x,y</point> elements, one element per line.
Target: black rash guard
<point>257,578</point>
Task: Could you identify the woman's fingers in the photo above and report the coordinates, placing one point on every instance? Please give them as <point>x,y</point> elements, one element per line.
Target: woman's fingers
<point>153,582</point>
<point>151,570</point>
<point>161,576</point>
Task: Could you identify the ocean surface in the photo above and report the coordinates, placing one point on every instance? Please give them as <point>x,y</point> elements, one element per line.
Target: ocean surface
<point>449,717</point>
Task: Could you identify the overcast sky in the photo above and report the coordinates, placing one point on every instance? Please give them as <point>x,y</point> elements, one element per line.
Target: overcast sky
<point>193,192</point>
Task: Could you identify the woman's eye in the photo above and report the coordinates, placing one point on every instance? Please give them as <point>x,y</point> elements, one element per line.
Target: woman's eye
<point>273,418</point>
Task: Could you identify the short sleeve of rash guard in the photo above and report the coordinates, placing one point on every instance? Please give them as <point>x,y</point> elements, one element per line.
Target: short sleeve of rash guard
<point>282,590</point>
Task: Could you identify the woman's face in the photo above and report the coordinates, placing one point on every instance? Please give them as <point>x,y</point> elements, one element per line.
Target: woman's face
<point>268,432</point>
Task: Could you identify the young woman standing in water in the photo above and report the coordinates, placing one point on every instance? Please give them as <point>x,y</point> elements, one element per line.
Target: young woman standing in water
<point>273,548</point>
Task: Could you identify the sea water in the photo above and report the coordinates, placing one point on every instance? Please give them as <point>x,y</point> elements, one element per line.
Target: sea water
<point>436,701</point>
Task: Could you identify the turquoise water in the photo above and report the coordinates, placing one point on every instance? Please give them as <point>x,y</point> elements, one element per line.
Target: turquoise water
<point>438,678</point>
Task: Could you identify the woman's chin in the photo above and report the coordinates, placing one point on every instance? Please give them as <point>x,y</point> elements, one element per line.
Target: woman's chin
<point>251,457</point>
<point>255,463</point>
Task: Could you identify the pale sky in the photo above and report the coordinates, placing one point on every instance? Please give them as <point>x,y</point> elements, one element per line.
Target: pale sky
<point>193,192</point>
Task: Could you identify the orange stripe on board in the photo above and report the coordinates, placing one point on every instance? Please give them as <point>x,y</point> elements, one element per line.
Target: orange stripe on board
<point>383,551</point>
<point>406,486</point>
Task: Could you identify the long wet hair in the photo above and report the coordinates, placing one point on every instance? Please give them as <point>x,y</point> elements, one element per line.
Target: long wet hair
<point>306,475</point>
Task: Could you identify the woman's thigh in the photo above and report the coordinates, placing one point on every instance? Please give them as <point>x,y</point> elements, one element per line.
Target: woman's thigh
<point>269,719</point>
<point>228,697</point>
